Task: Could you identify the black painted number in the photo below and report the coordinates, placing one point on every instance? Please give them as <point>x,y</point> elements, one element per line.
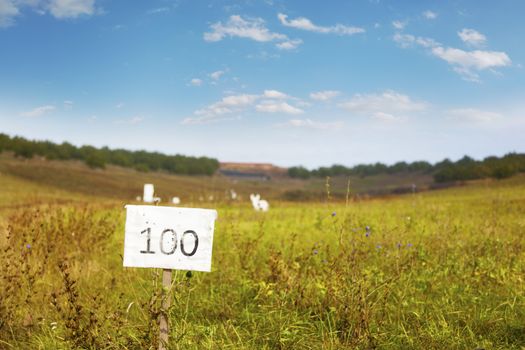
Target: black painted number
<point>173,241</point>
<point>148,242</point>
<point>170,236</point>
<point>196,244</point>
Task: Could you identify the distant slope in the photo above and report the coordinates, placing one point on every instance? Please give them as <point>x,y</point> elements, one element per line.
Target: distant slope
<point>112,182</point>
<point>126,184</point>
<point>39,180</point>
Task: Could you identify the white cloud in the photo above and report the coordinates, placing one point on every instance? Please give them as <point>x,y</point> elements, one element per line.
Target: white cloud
<point>399,25</point>
<point>430,14</point>
<point>206,119</point>
<point>300,103</point>
<point>324,95</point>
<point>229,107</point>
<point>8,11</point>
<point>196,82</point>
<point>275,94</point>
<point>385,117</point>
<point>217,74</point>
<point>385,106</point>
<point>226,105</point>
<point>474,115</point>
<point>60,9</point>
<point>426,42</point>
<point>472,37</point>
<point>236,26</point>
<point>269,106</point>
<point>289,44</point>
<point>467,74</point>
<point>213,110</point>
<point>238,100</point>
<point>119,105</point>
<point>467,62</point>
<point>71,8</point>
<point>38,111</point>
<point>136,120</point>
<point>158,10</point>
<point>404,40</point>
<point>407,40</point>
<point>68,105</point>
<point>310,124</point>
<point>306,24</point>
<point>133,120</point>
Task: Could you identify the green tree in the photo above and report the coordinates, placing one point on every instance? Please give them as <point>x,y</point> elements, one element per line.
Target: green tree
<point>298,172</point>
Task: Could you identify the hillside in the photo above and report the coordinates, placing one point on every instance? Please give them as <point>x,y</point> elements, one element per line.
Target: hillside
<point>126,184</point>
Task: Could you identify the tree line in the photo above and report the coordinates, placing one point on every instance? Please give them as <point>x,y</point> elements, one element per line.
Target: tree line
<point>99,157</point>
<point>465,168</point>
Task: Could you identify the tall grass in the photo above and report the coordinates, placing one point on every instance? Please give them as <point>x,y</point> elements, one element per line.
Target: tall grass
<point>432,271</point>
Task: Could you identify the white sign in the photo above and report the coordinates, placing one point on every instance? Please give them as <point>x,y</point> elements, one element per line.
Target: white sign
<point>169,237</point>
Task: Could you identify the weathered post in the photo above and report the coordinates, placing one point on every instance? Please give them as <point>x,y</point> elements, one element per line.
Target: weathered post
<point>166,302</point>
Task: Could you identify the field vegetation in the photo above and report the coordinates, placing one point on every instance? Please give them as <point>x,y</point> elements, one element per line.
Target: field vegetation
<point>435,270</point>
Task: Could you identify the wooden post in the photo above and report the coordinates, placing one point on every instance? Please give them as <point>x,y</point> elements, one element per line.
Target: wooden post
<point>166,302</point>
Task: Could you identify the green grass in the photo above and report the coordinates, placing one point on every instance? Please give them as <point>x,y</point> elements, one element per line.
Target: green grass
<point>438,270</point>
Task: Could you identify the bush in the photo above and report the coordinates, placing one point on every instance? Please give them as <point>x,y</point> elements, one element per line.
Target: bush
<point>95,161</point>
<point>298,172</point>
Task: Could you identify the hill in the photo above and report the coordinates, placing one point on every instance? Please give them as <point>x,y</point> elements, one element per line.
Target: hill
<point>114,182</point>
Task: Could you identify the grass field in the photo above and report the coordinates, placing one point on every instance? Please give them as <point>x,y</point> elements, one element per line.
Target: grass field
<point>435,270</point>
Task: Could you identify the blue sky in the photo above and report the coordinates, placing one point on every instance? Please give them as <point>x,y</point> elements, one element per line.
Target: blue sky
<point>288,82</point>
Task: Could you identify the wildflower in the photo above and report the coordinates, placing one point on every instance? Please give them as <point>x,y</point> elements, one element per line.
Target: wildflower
<point>315,251</point>
<point>399,245</point>
<point>409,245</point>
<point>28,246</point>
<point>333,214</point>
<point>378,246</point>
<point>367,228</point>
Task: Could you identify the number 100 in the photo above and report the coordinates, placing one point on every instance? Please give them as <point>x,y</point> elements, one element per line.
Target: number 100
<point>174,239</point>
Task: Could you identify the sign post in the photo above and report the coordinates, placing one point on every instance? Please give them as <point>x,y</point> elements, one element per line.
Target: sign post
<point>166,302</point>
<point>168,238</point>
